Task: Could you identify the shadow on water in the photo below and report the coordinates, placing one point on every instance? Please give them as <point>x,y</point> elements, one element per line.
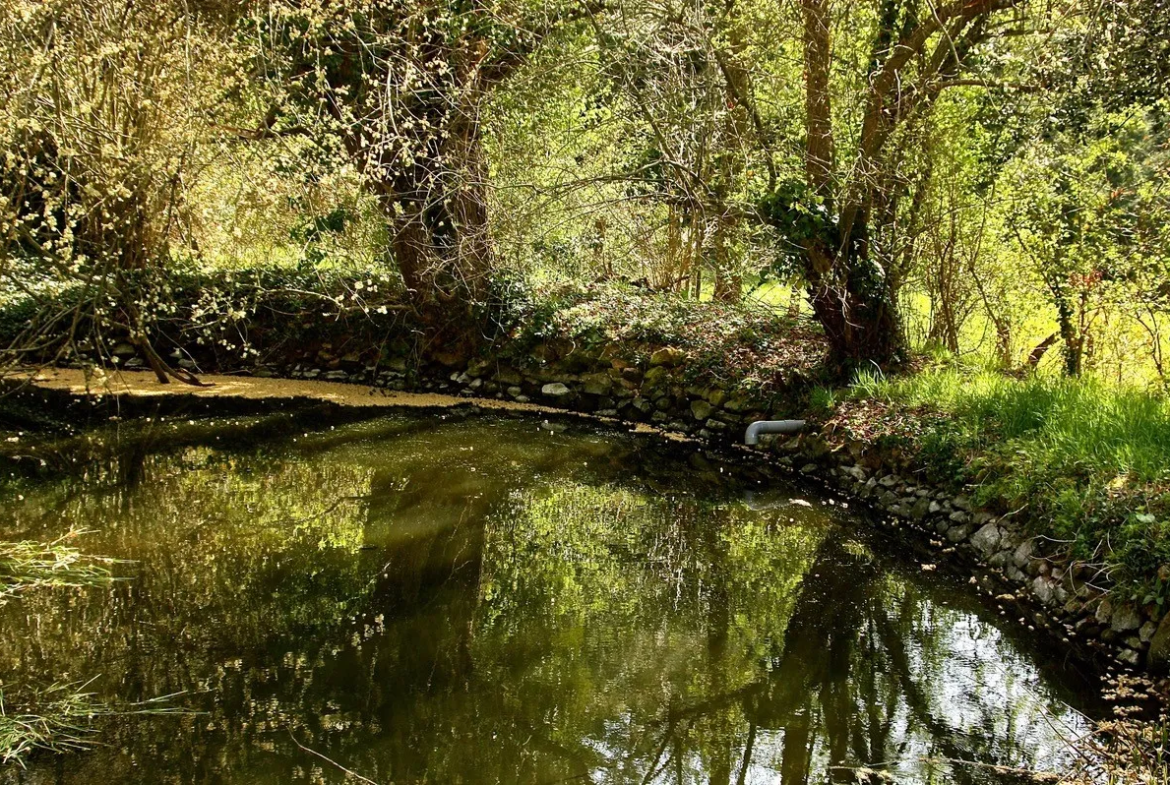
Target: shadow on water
<point>439,599</point>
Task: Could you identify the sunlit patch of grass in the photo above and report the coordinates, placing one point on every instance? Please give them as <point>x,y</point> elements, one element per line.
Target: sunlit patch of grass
<point>1088,460</point>
<point>1080,425</point>
<point>27,565</point>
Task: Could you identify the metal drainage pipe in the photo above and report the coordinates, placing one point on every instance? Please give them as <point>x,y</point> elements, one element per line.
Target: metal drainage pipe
<point>756,429</point>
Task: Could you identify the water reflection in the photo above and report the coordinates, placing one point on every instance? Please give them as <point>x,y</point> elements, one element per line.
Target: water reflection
<point>485,601</point>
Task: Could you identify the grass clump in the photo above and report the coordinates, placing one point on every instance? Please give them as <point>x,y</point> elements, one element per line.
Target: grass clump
<point>1088,462</point>
<point>28,565</point>
<point>55,719</point>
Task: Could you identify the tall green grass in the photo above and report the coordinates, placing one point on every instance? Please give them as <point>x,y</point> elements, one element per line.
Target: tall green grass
<point>56,719</point>
<point>1089,461</point>
<point>28,565</point>
<point>1081,424</point>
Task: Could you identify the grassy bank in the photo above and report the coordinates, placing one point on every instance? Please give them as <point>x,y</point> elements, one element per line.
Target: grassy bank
<point>1082,462</point>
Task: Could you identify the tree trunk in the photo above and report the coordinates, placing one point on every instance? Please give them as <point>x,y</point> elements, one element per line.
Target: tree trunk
<point>856,314</point>
<point>438,221</point>
<point>728,280</point>
<point>849,295</point>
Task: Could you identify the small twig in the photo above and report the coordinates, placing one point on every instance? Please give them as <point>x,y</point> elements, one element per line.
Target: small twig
<point>327,759</point>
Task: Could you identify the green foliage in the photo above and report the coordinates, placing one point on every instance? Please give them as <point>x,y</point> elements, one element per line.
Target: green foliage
<point>799,216</point>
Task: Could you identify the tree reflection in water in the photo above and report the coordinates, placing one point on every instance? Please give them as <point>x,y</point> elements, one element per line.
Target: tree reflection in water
<point>483,601</point>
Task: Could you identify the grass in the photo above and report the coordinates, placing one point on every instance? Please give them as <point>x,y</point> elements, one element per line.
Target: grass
<point>55,719</point>
<point>1087,461</point>
<point>60,718</point>
<point>28,565</point>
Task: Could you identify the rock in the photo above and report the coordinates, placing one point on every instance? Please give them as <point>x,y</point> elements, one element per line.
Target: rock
<point>1146,632</point>
<point>962,502</point>
<point>715,425</point>
<point>986,540</point>
<point>1160,644</point>
<point>856,472</point>
<point>701,410</point>
<point>1130,657</point>
<point>716,396</point>
<point>556,390</point>
<point>655,377</point>
<point>1044,590</point>
<point>958,516</point>
<point>478,367</point>
<point>1022,556</point>
<point>1125,619</point>
<point>123,349</point>
<point>515,391</point>
<point>669,356</point>
<point>335,376</point>
<point>1000,559</point>
<point>920,509</point>
<point>509,376</point>
<point>1104,612</point>
<point>934,508</point>
<point>596,384</point>
<point>808,468</point>
<point>959,533</point>
<point>396,364</point>
<point>889,481</point>
<point>736,403</point>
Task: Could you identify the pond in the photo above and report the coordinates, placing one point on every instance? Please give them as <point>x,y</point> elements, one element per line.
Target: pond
<point>449,599</point>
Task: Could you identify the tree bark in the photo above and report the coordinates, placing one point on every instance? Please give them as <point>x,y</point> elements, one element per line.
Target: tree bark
<point>848,294</point>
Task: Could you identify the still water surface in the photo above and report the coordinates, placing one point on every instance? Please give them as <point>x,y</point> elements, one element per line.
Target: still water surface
<point>446,600</point>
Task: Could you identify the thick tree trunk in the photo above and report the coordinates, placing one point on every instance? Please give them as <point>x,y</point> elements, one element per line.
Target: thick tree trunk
<point>440,238</point>
<point>857,316</point>
<point>849,298</point>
